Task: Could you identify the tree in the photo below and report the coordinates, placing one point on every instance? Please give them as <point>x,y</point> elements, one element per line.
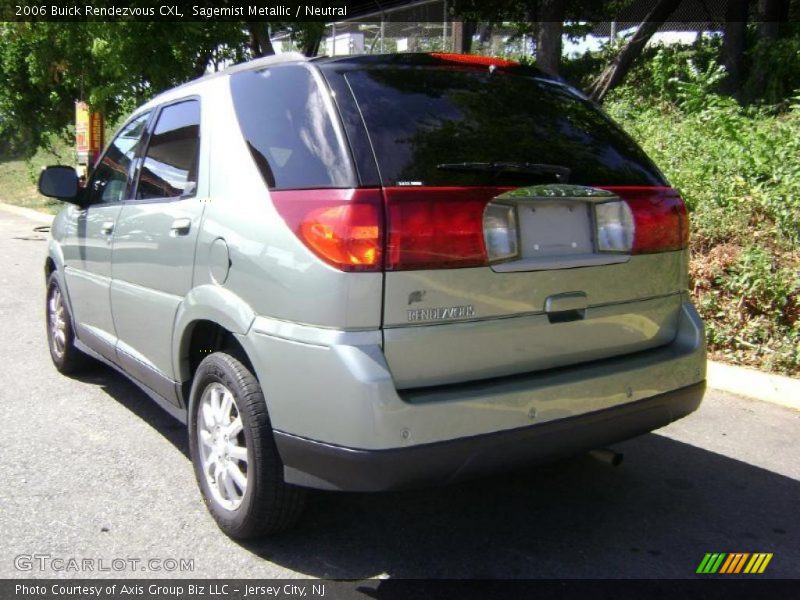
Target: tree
<point>115,66</point>
<point>550,31</point>
<point>543,20</point>
<point>772,14</point>
<point>733,45</point>
<point>259,41</point>
<point>615,72</point>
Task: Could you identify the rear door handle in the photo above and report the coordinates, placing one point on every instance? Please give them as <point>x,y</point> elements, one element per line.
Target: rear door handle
<point>181,226</point>
<point>571,306</point>
<point>107,228</point>
<point>565,302</point>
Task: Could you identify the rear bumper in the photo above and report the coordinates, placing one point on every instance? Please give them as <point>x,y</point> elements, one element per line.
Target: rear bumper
<point>341,423</point>
<point>326,466</point>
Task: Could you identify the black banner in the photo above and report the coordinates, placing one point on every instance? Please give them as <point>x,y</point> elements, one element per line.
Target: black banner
<point>395,589</point>
<point>277,11</point>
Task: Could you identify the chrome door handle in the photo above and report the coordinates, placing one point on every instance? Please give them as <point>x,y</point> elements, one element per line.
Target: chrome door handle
<point>181,226</point>
<point>107,228</point>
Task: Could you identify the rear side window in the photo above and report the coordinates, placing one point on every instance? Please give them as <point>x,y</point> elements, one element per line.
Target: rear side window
<point>424,122</point>
<point>288,122</point>
<point>169,169</point>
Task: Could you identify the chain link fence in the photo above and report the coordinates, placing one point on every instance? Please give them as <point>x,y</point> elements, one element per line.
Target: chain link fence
<point>428,26</point>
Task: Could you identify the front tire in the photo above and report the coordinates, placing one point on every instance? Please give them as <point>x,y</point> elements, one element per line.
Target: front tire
<point>233,450</point>
<point>60,335</point>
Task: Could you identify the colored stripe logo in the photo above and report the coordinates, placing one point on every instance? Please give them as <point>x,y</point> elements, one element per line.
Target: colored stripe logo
<point>734,563</point>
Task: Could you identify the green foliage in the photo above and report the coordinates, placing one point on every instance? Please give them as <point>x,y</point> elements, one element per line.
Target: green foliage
<point>696,92</point>
<point>115,66</point>
<point>582,70</point>
<point>667,71</point>
<point>775,70</point>
<point>526,10</point>
<point>751,310</point>
<point>762,285</point>
<point>18,177</point>
<point>739,171</point>
<point>736,167</point>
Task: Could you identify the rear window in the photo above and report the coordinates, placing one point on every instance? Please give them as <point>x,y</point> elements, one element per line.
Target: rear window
<point>424,122</point>
<point>288,122</point>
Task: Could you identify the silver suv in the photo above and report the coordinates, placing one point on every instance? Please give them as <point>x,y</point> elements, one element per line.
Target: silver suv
<point>375,272</point>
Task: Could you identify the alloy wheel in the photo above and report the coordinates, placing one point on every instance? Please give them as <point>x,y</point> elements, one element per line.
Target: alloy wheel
<point>222,445</point>
<point>57,321</point>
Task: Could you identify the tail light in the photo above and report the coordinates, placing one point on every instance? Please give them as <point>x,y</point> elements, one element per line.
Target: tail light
<point>342,227</point>
<point>660,222</point>
<point>436,228</point>
<point>414,228</point>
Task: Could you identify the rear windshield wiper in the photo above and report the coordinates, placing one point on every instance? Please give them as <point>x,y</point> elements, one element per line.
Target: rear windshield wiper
<point>561,173</point>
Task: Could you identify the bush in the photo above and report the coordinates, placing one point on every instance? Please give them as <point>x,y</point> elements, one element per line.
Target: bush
<point>775,69</point>
<point>737,168</point>
<point>739,171</point>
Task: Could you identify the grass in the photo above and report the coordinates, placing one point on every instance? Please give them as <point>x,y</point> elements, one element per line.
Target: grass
<point>739,172</point>
<point>18,179</point>
<point>16,188</point>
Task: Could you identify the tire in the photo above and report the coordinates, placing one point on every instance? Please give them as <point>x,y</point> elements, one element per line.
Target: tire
<point>60,334</point>
<point>236,462</point>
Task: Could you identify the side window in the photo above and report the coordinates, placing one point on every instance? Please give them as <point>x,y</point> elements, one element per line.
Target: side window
<point>169,169</point>
<point>110,178</point>
<point>291,130</point>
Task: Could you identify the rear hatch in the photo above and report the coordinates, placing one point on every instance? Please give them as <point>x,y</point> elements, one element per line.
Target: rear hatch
<point>523,229</point>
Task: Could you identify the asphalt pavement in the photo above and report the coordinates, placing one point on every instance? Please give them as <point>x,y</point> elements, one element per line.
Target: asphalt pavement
<point>91,470</point>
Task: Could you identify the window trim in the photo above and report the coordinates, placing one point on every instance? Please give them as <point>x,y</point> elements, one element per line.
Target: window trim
<point>150,128</point>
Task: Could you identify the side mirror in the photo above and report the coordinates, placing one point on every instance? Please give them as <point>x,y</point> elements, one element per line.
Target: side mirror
<point>59,182</point>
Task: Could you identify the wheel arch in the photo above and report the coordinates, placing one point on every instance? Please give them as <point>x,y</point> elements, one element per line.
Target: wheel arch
<point>49,267</point>
<point>210,319</point>
<point>54,263</point>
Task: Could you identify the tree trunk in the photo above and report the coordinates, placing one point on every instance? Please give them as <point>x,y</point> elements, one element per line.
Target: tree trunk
<point>462,36</point>
<point>202,61</point>
<point>615,72</point>
<point>485,34</point>
<point>550,30</point>
<point>733,45</point>
<point>772,14</point>
<point>260,44</point>
<point>311,46</point>
<point>254,39</point>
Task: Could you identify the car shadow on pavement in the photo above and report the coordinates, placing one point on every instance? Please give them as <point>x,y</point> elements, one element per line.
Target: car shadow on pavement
<point>130,396</point>
<point>653,517</point>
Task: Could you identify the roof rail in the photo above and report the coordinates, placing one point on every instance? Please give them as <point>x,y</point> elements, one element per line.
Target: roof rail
<point>258,63</point>
<point>264,61</point>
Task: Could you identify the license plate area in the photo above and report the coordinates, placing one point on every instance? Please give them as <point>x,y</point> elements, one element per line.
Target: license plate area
<point>555,228</point>
<point>552,229</point>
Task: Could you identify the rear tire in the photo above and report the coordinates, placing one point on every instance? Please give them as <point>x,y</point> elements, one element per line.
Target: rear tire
<point>236,462</point>
<point>60,335</point>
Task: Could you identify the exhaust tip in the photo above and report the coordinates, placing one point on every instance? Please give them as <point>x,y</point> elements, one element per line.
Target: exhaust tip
<point>608,456</point>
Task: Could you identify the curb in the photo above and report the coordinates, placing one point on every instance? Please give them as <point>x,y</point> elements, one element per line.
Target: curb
<point>756,385</point>
<point>29,213</point>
